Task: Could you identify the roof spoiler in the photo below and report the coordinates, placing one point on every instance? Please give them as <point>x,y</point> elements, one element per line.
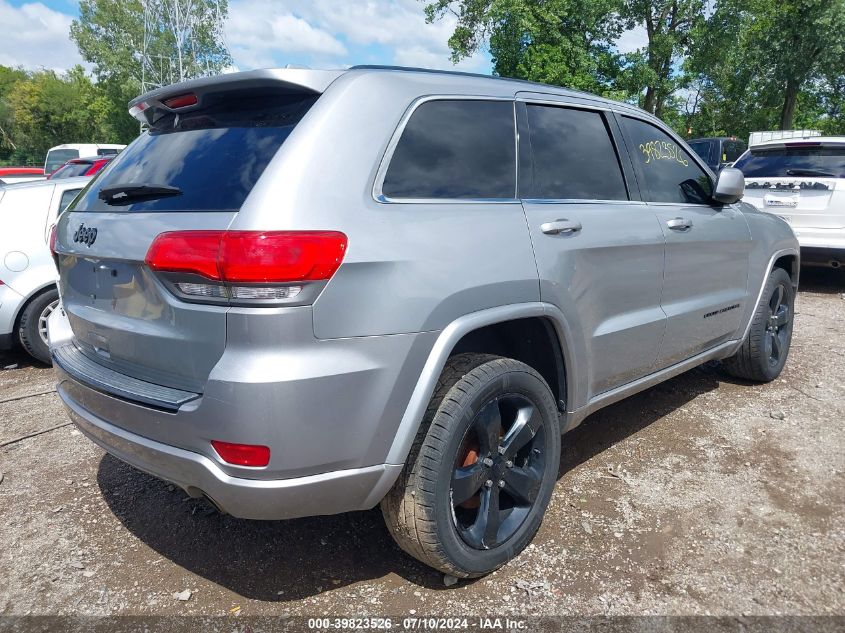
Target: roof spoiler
<point>188,95</point>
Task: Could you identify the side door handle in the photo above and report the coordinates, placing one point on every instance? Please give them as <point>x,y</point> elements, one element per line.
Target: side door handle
<point>561,226</point>
<point>679,224</point>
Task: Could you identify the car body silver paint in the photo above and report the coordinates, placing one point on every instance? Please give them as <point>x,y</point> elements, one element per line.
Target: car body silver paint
<point>338,388</point>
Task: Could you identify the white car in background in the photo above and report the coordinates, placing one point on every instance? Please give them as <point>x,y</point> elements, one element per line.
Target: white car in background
<point>802,180</point>
<point>27,271</point>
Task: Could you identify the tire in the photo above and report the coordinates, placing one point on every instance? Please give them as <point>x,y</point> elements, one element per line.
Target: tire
<point>764,351</point>
<point>32,324</point>
<point>461,430</point>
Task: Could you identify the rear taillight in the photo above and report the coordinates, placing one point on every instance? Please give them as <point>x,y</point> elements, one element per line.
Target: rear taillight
<point>242,454</point>
<point>245,266</point>
<point>52,241</point>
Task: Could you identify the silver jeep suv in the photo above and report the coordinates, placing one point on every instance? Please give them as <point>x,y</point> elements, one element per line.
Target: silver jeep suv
<point>310,292</point>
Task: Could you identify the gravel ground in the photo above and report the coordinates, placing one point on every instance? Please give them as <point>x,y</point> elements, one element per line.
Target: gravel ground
<point>700,496</point>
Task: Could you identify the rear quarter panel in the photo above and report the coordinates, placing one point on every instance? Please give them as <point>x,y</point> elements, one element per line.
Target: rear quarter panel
<point>409,267</point>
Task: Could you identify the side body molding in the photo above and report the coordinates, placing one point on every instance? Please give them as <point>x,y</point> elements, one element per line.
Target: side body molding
<point>443,347</point>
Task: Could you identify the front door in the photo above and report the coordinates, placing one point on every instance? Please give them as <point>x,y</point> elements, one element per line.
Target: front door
<point>707,244</point>
<point>599,252</point>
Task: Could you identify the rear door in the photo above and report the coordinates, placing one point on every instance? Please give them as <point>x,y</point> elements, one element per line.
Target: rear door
<point>599,249</point>
<point>707,244</point>
<point>206,159</point>
<point>801,181</point>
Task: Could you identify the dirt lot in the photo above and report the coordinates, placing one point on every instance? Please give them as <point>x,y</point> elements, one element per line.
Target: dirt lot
<point>700,496</point>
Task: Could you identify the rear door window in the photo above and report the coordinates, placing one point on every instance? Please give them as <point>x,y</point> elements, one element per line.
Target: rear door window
<point>573,155</point>
<point>455,149</point>
<point>212,156</point>
<point>800,160</point>
<point>670,173</point>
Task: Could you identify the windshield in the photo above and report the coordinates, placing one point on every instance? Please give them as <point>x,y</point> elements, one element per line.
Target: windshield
<point>58,157</point>
<point>212,156</point>
<point>807,160</point>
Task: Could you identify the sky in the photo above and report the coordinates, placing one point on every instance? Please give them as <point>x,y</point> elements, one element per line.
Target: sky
<point>266,33</point>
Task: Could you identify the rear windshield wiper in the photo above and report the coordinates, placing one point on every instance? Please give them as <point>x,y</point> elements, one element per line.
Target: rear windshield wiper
<point>809,172</point>
<point>127,193</point>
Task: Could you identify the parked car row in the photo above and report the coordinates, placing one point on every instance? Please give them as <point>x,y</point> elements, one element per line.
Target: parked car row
<point>27,271</point>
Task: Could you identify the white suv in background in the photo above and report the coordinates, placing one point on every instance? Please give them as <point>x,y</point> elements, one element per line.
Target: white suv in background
<point>802,181</point>
<point>27,272</point>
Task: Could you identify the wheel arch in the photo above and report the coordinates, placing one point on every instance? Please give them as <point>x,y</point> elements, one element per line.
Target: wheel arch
<point>29,299</point>
<point>791,263</point>
<point>790,260</point>
<point>467,333</point>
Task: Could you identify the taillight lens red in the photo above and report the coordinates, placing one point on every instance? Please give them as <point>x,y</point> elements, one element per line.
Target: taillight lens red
<point>242,454</point>
<point>249,256</point>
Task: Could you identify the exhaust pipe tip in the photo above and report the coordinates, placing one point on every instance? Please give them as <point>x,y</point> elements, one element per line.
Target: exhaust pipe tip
<point>835,263</point>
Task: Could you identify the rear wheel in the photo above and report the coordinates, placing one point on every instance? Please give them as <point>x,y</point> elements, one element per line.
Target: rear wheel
<point>482,469</point>
<point>32,328</point>
<point>763,352</point>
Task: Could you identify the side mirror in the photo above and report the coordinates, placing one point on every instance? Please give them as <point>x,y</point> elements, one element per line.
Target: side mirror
<point>730,186</point>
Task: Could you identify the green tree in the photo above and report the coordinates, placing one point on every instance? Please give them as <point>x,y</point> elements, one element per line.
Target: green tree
<point>8,78</point>
<point>564,42</point>
<point>765,58</point>
<point>41,109</point>
<point>670,26</point>
<point>139,44</point>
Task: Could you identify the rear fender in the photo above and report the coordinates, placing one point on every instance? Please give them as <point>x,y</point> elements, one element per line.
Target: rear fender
<point>446,342</point>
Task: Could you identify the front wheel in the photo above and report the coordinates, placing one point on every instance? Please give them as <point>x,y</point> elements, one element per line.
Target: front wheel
<point>763,352</point>
<point>482,469</point>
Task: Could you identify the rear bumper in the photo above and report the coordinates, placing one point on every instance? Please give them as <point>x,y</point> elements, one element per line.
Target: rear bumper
<point>811,238</point>
<point>328,409</point>
<point>326,493</point>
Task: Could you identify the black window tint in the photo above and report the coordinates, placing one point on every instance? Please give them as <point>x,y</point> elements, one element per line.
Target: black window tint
<point>801,159</point>
<point>455,149</point>
<point>213,155</point>
<point>671,174</point>
<point>573,155</point>
<point>67,198</point>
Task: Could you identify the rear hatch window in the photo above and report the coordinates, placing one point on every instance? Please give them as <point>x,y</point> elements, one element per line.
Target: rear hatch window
<point>813,161</point>
<point>70,170</point>
<point>207,159</point>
